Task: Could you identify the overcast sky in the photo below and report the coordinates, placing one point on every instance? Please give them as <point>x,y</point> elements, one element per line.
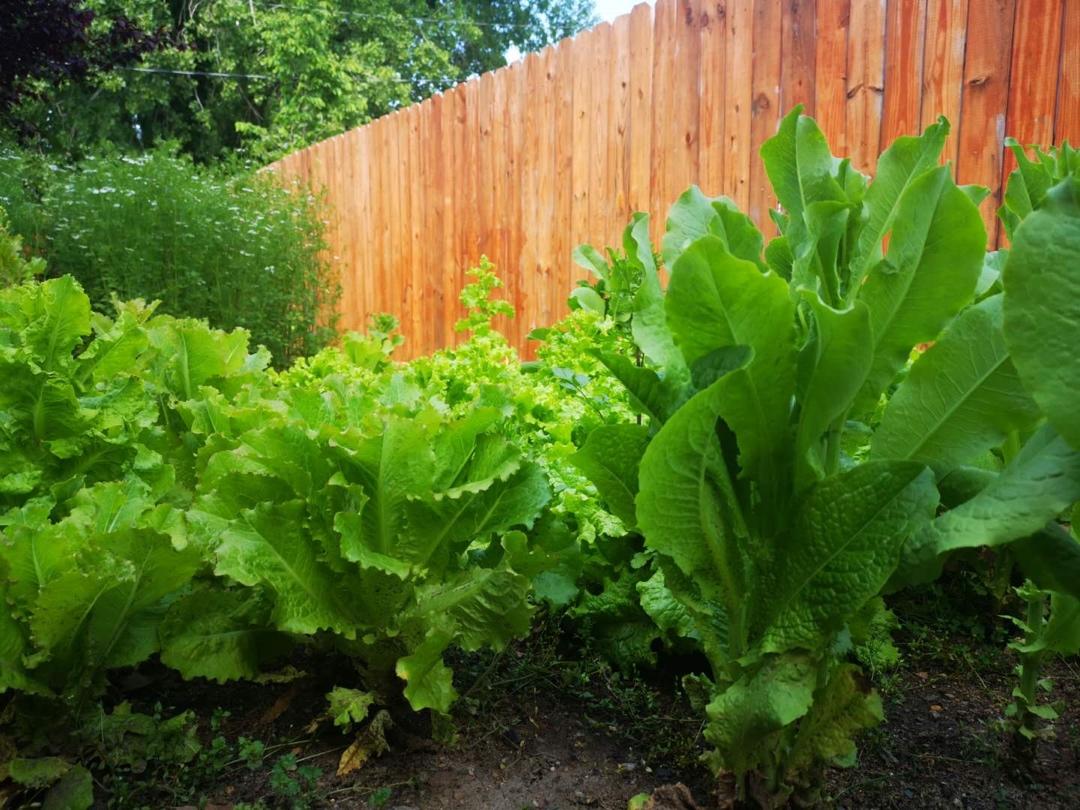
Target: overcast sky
<point>605,10</point>
<point>610,9</point>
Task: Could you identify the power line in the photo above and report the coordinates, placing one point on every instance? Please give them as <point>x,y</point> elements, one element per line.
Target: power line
<point>367,15</point>
<point>211,73</point>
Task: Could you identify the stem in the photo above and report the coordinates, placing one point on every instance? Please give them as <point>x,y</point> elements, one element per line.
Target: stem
<point>1030,663</point>
<point>832,445</point>
<point>1025,720</point>
<point>1011,446</point>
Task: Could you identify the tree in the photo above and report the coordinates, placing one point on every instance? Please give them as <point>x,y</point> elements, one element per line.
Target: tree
<point>264,77</point>
<point>49,41</point>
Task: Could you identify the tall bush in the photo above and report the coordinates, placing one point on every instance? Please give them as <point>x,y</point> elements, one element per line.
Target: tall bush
<point>238,251</point>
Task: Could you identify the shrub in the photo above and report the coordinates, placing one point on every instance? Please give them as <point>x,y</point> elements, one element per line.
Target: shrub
<point>15,268</point>
<point>238,251</point>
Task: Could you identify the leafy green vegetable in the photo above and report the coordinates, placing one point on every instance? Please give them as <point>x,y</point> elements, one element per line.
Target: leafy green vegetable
<point>774,532</point>
<point>1042,305</point>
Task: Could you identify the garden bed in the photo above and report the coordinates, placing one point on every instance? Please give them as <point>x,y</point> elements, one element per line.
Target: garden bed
<point>536,730</point>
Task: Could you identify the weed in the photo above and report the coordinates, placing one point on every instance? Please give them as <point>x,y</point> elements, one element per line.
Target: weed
<point>293,783</point>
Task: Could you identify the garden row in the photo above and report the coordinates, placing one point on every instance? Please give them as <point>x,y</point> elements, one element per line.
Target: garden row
<point>741,464</point>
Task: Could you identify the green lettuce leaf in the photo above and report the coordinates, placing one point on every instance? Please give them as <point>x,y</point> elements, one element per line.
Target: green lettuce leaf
<point>716,300</point>
<point>898,167</point>
<point>843,545</point>
<point>1038,484</point>
<point>1042,306</point>
<point>746,718</point>
<point>221,635</point>
<point>610,459</point>
<point>962,398</point>
<point>929,274</point>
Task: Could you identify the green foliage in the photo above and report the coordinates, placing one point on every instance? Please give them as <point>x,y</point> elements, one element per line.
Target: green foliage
<point>1051,626</point>
<point>294,784</point>
<point>789,463</point>
<point>1031,180</point>
<point>739,464</point>
<point>57,784</point>
<point>94,481</point>
<point>1040,279</point>
<point>238,251</point>
<point>1042,304</point>
<point>295,72</point>
<point>478,300</point>
<point>145,452</point>
<point>15,267</point>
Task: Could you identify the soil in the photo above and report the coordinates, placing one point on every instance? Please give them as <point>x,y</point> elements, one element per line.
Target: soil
<point>942,743</point>
<point>535,731</point>
<point>526,737</point>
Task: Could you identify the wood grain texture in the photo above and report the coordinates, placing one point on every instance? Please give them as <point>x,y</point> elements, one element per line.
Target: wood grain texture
<point>738,100</point>
<point>664,89</point>
<point>1067,116</point>
<point>641,100</point>
<point>943,68</point>
<point>831,71</point>
<point>1033,76</point>
<point>798,49</point>
<point>865,82</point>
<point>713,33</point>
<point>764,107</point>
<point>981,131</point>
<point>524,163</point>
<point>905,41</point>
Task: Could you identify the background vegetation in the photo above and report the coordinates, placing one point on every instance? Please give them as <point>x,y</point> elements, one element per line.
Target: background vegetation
<point>298,71</point>
<point>236,250</point>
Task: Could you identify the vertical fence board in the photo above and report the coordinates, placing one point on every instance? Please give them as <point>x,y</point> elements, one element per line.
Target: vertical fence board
<point>798,50</point>
<point>830,71</point>
<point>377,165</point>
<point>562,206</point>
<point>528,161</point>
<point>713,35</point>
<point>582,135</point>
<point>447,309</point>
<point>619,163</point>
<point>550,296</point>
<point>904,44</point>
<point>662,59</point>
<point>986,91</point>
<point>1033,77</point>
<point>865,81</point>
<point>396,300</point>
<point>1067,121</point>
<point>512,188</point>
<point>738,100</point>
<point>601,189</point>
<point>682,126</point>
<point>500,192</point>
<point>487,214</point>
<point>943,68</point>
<point>765,107</point>
<point>415,267</point>
<point>641,98</point>
<point>531,295</point>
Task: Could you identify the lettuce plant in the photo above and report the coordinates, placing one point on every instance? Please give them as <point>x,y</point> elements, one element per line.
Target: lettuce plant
<point>1041,281</point>
<point>790,467</point>
<point>386,545</point>
<point>95,481</point>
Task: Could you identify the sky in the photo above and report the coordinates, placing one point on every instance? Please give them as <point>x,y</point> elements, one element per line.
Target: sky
<point>605,9</point>
<point>610,9</point>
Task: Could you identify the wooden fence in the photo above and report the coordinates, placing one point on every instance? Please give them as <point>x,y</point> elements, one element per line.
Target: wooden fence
<point>524,163</point>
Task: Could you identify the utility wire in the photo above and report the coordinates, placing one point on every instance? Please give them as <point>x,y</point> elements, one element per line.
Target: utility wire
<point>275,6</point>
<point>211,73</point>
<point>394,18</point>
